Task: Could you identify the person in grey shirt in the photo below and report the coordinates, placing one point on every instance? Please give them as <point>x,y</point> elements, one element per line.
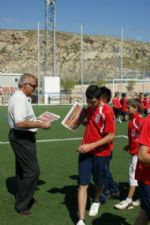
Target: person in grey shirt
<point>22,136</point>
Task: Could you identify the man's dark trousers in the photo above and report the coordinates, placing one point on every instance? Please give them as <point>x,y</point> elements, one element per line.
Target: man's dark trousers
<point>23,144</point>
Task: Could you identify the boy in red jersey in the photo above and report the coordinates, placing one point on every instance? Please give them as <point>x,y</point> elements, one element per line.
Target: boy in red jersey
<point>146,104</point>
<point>141,98</point>
<point>134,128</point>
<point>96,148</point>
<point>124,110</point>
<point>143,173</point>
<point>117,106</point>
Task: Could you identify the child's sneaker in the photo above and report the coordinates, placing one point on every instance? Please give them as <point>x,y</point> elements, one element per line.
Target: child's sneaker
<point>94,209</point>
<point>125,204</point>
<point>81,222</point>
<point>136,203</point>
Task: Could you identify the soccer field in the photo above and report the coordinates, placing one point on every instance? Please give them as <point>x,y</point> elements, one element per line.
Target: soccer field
<point>57,188</point>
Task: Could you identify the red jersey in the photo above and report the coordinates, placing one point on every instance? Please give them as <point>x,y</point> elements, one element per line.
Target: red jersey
<point>123,103</point>
<point>143,170</point>
<point>116,103</point>
<point>100,122</point>
<point>141,99</point>
<point>134,128</point>
<point>146,103</point>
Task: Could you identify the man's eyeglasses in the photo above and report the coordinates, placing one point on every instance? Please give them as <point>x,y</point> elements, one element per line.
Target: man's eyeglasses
<point>32,85</point>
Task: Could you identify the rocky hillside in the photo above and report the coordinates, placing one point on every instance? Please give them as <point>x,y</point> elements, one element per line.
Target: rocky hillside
<point>101,55</point>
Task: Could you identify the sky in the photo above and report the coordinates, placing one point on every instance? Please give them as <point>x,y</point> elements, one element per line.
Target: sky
<point>131,17</point>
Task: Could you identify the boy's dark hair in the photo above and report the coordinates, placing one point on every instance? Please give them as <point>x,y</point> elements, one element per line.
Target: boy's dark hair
<point>105,93</point>
<point>116,94</point>
<point>92,92</point>
<point>146,94</point>
<point>123,95</point>
<point>135,102</point>
<point>141,93</point>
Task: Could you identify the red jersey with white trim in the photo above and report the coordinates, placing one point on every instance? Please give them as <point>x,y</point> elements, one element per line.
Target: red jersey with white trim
<point>143,170</point>
<point>134,128</point>
<point>116,103</point>
<point>100,122</point>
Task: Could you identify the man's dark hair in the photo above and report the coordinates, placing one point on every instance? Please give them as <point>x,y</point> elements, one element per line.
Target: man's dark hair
<point>105,93</point>
<point>92,92</point>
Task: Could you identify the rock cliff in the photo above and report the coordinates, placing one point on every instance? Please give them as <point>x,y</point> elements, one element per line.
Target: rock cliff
<point>102,57</point>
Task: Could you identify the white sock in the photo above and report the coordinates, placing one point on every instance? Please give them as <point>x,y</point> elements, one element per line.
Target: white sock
<point>129,199</point>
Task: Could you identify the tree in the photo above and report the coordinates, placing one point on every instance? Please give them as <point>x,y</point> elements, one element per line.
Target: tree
<point>130,86</point>
<point>67,85</point>
<point>100,83</point>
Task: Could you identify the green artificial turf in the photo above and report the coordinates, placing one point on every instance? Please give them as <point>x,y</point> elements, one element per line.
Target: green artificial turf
<point>57,188</point>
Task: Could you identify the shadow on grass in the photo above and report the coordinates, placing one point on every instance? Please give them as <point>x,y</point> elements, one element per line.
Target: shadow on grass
<point>124,188</point>
<point>70,199</point>
<point>108,218</point>
<point>11,185</point>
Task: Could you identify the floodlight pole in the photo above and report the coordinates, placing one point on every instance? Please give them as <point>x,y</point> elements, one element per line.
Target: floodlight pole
<point>81,64</point>
<point>38,59</point>
<point>50,31</point>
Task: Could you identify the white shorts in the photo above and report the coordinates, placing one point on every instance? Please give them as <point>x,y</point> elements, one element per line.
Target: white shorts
<point>132,168</point>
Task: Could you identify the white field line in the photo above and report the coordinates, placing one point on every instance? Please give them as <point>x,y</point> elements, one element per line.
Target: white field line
<point>63,139</point>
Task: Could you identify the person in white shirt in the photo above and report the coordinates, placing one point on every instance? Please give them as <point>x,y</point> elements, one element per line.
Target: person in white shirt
<point>22,137</point>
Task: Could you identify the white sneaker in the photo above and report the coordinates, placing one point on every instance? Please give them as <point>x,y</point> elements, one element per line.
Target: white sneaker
<point>94,209</point>
<point>136,203</point>
<point>81,222</point>
<point>119,120</point>
<point>125,204</point>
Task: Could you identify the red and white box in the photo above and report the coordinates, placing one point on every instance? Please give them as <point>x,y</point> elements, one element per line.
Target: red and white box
<point>71,119</point>
<point>49,117</point>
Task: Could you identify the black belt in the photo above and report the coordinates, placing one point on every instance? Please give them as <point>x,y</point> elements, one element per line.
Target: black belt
<point>26,132</point>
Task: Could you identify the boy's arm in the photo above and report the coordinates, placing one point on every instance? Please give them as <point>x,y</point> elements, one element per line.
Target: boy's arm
<point>89,147</point>
<point>82,118</point>
<point>143,155</point>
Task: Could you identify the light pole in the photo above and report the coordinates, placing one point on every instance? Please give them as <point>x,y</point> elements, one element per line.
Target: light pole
<point>121,56</point>
<point>81,64</point>
<point>50,25</point>
<point>38,59</point>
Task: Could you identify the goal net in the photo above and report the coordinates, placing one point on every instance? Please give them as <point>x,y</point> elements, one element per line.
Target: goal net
<point>130,86</point>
